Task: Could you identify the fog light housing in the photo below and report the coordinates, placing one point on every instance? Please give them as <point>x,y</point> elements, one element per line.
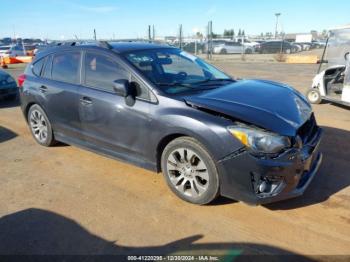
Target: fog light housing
<point>265,186</point>
<point>262,187</point>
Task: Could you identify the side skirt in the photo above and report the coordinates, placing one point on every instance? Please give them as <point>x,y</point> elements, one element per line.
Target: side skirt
<point>107,153</point>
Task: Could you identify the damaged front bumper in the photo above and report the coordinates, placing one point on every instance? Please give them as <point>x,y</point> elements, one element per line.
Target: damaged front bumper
<point>260,181</point>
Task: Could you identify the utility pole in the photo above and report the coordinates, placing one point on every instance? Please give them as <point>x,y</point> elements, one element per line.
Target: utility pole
<point>153,33</point>
<point>276,28</point>
<point>180,36</point>
<point>149,33</point>
<point>210,40</point>
<point>95,38</point>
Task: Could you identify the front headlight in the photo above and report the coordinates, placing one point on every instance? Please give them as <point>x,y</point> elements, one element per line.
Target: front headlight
<point>260,141</point>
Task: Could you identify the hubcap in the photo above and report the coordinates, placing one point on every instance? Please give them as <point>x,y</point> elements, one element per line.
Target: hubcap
<point>313,96</point>
<point>188,172</point>
<point>38,126</point>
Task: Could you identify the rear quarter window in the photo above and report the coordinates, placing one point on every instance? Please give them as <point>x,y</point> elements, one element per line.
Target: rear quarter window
<point>46,71</point>
<point>38,66</point>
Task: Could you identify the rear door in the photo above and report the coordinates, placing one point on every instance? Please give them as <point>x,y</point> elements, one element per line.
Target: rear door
<point>58,91</point>
<point>109,125</point>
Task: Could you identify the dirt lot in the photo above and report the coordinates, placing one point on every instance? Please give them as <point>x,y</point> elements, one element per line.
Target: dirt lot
<point>67,200</point>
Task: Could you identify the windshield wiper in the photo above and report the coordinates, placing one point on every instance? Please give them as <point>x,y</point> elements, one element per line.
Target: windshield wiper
<point>175,84</point>
<point>208,80</point>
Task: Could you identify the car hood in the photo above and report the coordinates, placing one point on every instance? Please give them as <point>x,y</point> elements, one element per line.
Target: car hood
<point>270,105</point>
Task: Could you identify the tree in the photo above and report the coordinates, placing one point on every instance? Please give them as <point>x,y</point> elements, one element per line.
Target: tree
<point>213,35</point>
<point>229,33</point>
<point>239,32</point>
<point>243,33</point>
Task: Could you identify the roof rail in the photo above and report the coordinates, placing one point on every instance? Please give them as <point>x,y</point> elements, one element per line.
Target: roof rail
<point>103,44</point>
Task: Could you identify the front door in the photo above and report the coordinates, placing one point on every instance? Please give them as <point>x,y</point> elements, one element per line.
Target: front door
<point>108,123</point>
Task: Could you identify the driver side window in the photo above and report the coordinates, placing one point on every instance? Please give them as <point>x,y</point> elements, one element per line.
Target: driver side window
<point>101,71</point>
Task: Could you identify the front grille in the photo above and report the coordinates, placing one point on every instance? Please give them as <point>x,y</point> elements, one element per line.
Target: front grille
<point>308,130</point>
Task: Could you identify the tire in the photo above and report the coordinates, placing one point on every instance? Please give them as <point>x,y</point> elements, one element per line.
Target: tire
<point>313,95</point>
<point>180,161</point>
<point>40,126</point>
<point>249,51</point>
<point>223,51</point>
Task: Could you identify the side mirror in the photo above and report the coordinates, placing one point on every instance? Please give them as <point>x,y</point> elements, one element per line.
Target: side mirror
<point>347,56</point>
<point>121,87</point>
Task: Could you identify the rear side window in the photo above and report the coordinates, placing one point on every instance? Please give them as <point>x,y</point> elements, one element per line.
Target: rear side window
<point>101,71</point>
<point>46,71</point>
<point>65,67</point>
<point>38,66</point>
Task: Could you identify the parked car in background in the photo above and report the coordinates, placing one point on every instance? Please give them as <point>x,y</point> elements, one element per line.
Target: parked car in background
<point>232,48</point>
<point>169,111</point>
<point>317,44</point>
<point>4,50</point>
<point>273,47</point>
<point>247,42</point>
<point>191,47</point>
<point>8,86</point>
<point>297,47</point>
<point>215,43</point>
<point>306,46</point>
<point>20,50</point>
<point>16,50</point>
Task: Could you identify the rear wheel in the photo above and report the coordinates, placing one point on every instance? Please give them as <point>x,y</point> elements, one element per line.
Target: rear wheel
<point>40,126</point>
<point>248,51</point>
<point>223,51</point>
<point>314,96</point>
<point>190,171</point>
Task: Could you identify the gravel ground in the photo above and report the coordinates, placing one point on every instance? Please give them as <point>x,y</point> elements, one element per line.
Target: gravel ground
<point>64,200</point>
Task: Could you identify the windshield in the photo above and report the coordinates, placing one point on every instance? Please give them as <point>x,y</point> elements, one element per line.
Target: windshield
<point>175,71</point>
<point>338,46</point>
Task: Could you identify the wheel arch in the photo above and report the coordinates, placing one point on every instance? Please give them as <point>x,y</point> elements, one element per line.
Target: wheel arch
<point>29,105</point>
<point>161,146</point>
<point>26,109</point>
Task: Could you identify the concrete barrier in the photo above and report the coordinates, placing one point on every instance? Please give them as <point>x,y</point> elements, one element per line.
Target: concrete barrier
<point>300,59</point>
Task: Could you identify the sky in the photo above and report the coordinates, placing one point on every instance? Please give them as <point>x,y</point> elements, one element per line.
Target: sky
<point>65,19</point>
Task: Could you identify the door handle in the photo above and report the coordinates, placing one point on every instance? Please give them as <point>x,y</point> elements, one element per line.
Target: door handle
<point>85,101</point>
<point>43,89</point>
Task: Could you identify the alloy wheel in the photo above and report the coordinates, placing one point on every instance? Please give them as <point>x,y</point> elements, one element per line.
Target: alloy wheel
<point>38,125</point>
<point>188,172</point>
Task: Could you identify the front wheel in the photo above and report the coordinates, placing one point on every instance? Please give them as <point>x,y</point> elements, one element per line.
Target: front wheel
<point>223,51</point>
<point>190,171</point>
<point>313,95</point>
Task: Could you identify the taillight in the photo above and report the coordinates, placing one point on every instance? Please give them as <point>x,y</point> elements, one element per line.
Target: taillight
<point>21,80</point>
